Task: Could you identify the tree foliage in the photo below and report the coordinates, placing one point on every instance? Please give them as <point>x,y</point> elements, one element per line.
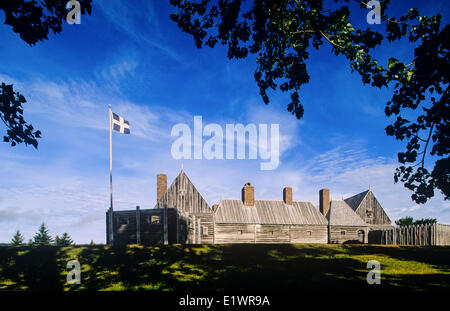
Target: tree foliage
<point>409,221</point>
<point>425,221</point>
<point>281,34</point>
<point>64,240</point>
<point>42,237</point>
<point>11,113</point>
<point>17,239</point>
<point>32,20</point>
<point>405,221</point>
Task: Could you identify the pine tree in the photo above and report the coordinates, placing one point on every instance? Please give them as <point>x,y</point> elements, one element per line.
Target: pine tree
<point>57,240</point>
<point>17,239</point>
<point>65,240</point>
<point>42,237</point>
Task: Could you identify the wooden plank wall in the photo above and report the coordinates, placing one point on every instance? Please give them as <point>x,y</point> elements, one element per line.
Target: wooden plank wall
<point>201,228</point>
<point>256,233</point>
<point>300,234</point>
<point>183,195</point>
<point>443,234</point>
<point>126,227</point>
<point>371,212</point>
<point>351,234</point>
<point>426,235</point>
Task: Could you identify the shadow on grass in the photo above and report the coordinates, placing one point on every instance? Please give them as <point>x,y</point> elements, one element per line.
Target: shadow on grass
<point>29,268</point>
<point>213,267</point>
<point>436,256</point>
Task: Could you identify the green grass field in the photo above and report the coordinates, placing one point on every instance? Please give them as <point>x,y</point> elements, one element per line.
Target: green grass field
<point>224,267</point>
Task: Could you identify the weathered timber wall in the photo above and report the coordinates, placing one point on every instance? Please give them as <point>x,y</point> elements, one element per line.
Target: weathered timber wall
<point>183,195</point>
<point>128,231</point>
<point>427,235</point>
<point>443,235</point>
<point>351,234</point>
<point>234,233</point>
<point>308,234</point>
<point>201,228</point>
<point>256,233</point>
<point>371,211</point>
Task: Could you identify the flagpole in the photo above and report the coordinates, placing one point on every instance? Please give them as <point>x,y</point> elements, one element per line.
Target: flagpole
<point>110,176</point>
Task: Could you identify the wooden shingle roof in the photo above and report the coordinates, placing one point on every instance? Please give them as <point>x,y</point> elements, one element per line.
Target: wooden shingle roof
<point>234,211</point>
<point>341,214</point>
<point>268,212</point>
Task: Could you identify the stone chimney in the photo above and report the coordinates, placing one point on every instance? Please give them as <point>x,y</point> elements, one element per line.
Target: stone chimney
<point>324,201</point>
<point>161,186</point>
<point>248,195</point>
<point>287,195</point>
<point>215,206</point>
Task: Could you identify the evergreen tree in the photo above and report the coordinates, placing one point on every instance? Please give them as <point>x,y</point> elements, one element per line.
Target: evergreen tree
<point>17,239</point>
<point>425,221</point>
<point>42,237</point>
<point>65,240</point>
<point>57,240</point>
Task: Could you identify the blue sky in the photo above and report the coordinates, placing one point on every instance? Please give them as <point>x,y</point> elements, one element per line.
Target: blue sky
<point>130,55</point>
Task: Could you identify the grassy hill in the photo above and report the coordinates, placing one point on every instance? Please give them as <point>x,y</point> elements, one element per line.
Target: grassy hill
<point>224,267</point>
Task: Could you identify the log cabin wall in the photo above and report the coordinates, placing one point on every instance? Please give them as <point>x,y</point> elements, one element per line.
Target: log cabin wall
<point>234,233</point>
<point>269,221</point>
<point>309,234</point>
<point>345,234</point>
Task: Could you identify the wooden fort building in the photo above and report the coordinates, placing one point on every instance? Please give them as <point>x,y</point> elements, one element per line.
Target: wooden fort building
<point>181,215</point>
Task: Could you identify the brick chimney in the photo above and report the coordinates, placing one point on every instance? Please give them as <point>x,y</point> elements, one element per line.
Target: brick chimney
<point>287,195</point>
<point>324,201</point>
<point>248,195</point>
<point>215,206</point>
<point>161,186</point>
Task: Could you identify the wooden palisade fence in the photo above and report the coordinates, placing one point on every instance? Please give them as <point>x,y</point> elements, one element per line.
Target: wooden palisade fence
<point>427,235</point>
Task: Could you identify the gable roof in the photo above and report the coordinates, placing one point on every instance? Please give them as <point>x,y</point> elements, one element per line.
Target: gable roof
<point>355,201</point>
<point>183,195</point>
<point>268,212</point>
<point>341,214</point>
<point>234,211</point>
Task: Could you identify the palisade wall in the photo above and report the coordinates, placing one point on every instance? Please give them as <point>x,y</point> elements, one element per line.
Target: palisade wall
<point>426,235</point>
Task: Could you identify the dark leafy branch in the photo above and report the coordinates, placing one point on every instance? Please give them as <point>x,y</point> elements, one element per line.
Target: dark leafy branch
<point>33,20</point>
<point>11,111</point>
<point>281,32</point>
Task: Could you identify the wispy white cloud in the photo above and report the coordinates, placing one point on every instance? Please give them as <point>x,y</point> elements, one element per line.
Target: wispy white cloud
<point>140,25</point>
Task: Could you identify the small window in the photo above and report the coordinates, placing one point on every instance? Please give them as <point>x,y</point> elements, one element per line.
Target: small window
<point>154,220</point>
<point>308,233</point>
<point>342,232</point>
<point>204,230</point>
<point>271,232</point>
<point>240,232</point>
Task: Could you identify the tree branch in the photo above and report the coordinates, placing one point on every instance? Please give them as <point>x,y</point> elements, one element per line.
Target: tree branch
<point>330,40</point>
<point>426,145</point>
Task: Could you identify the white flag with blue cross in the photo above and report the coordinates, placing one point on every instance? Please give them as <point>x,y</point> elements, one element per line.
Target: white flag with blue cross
<point>120,124</point>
